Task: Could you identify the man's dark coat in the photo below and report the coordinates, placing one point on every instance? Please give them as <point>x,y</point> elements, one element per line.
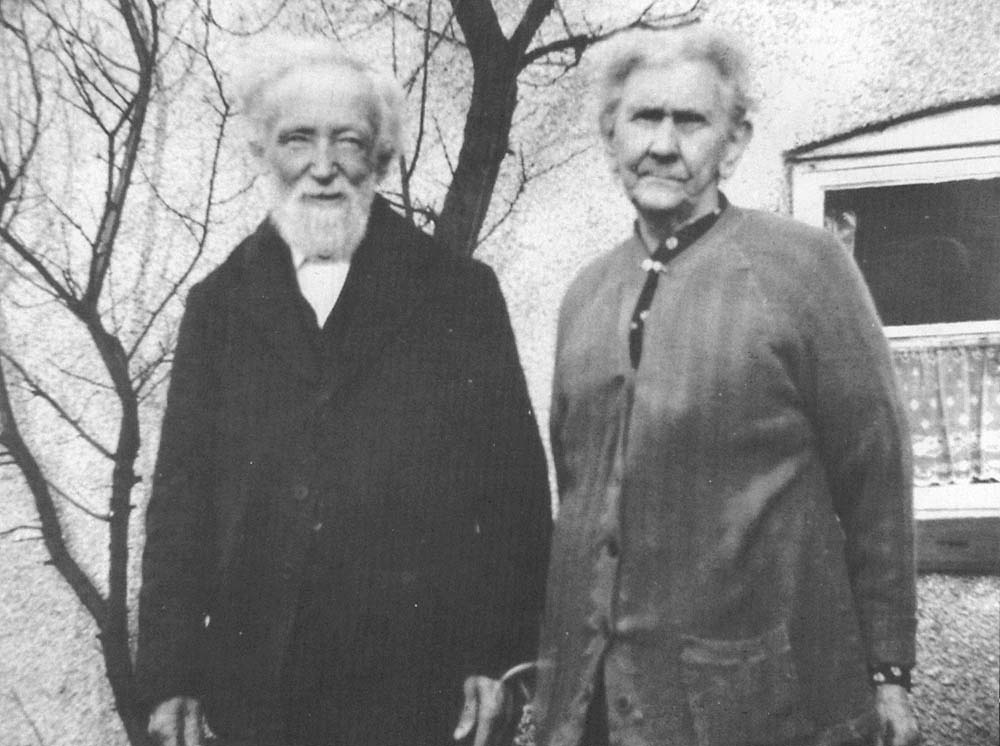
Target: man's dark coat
<point>378,485</point>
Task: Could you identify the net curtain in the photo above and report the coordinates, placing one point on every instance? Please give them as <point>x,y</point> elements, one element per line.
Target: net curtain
<point>951,390</point>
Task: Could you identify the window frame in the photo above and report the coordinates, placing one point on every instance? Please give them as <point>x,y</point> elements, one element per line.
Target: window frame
<point>936,147</point>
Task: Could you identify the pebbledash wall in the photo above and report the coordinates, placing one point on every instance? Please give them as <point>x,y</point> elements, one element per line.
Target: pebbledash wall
<point>823,68</point>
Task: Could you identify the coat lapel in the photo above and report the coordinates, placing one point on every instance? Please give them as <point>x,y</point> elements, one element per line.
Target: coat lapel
<point>270,299</point>
<point>386,285</point>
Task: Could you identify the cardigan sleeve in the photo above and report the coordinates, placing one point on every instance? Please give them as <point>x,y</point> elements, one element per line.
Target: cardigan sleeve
<point>862,432</point>
<point>172,604</point>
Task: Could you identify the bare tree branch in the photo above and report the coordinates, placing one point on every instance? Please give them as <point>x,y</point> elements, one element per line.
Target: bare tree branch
<point>440,37</point>
<point>113,102</point>
<point>55,543</point>
<point>27,716</point>
<point>578,43</point>
<point>263,26</point>
<point>12,179</point>
<point>526,176</point>
<point>120,182</point>
<point>407,174</point>
<point>36,389</point>
<point>480,26</point>
<point>23,527</point>
<point>59,289</point>
<point>205,221</point>
<point>101,385</point>
<point>444,147</point>
<point>534,14</point>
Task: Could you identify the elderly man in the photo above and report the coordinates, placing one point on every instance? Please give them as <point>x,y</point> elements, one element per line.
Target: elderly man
<point>732,563</point>
<point>350,516</point>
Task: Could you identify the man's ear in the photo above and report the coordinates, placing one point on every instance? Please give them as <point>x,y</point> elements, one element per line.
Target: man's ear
<point>739,138</point>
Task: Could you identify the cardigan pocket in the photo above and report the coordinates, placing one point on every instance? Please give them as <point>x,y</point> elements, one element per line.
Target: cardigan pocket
<point>743,692</point>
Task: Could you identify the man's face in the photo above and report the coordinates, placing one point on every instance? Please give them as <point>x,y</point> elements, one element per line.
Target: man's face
<point>319,135</point>
<point>317,144</point>
<point>673,140</point>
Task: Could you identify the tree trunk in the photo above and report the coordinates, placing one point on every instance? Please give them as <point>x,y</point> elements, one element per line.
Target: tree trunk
<point>485,143</point>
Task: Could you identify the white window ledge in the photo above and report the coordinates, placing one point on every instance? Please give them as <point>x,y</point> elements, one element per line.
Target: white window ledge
<point>980,500</point>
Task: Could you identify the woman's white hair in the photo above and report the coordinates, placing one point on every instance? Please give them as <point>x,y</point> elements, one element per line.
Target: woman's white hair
<point>628,51</point>
<point>275,57</point>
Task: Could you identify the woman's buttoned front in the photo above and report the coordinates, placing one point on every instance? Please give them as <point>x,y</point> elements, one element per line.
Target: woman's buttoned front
<point>698,561</point>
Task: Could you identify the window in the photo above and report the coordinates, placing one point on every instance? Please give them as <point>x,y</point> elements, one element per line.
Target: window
<point>917,202</point>
<point>929,252</point>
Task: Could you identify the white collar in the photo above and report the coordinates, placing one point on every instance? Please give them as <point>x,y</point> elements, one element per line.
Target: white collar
<point>299,260</point>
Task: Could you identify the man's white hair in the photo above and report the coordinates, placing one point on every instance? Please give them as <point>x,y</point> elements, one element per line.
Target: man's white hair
<point>273,58</point>
<point>624,53</point>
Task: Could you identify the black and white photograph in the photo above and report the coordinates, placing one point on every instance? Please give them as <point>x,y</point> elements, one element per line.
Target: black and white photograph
<point>499,373</point>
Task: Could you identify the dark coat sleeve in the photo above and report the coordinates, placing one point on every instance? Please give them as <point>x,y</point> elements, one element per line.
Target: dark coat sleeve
<point>176,562</point>
<point>515,520</point>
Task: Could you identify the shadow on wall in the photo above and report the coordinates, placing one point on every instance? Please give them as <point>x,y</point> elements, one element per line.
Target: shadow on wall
<point>957,680</point>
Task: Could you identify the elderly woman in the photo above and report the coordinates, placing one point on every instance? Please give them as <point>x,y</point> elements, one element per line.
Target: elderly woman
<point>733,557</point>
<point>350,515</point>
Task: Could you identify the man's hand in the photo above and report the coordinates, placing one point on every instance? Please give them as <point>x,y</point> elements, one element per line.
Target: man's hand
<point>897,723</point>
<point>177,722</point>
<point>486,710</point>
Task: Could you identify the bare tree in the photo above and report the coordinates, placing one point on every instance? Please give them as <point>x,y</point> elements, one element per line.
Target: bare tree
<point>101,232</point>
<point>76,159</point>
<point>544,45</point>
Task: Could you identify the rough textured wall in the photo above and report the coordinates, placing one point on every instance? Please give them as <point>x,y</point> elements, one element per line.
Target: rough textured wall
<point>824,67</point>
<point>52,686</point>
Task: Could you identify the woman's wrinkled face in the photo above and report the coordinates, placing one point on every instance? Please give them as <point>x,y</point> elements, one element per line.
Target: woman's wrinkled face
<point>674,139</point>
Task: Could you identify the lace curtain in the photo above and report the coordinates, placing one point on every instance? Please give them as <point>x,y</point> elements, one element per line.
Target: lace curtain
<point>951,389</point>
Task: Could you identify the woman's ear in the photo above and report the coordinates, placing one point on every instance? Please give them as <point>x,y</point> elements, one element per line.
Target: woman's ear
<point>739,138</point>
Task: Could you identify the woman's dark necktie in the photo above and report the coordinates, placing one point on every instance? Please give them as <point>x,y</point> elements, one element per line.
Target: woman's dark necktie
<point>654,266</point>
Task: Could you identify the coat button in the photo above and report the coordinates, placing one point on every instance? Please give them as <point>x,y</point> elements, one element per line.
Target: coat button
<point>623,704</point>
<point>612,548</point>
<point>300,492</point>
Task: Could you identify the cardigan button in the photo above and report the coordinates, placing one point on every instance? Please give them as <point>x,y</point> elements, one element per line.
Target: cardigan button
<point>300,492</point>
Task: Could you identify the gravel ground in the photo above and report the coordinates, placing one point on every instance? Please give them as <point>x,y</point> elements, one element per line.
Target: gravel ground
<point>957,680</point>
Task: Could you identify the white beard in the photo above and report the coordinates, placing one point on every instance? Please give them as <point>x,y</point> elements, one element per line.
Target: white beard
<point>332,230</point>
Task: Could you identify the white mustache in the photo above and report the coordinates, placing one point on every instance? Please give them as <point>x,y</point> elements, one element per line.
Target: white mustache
<point>325,223</point>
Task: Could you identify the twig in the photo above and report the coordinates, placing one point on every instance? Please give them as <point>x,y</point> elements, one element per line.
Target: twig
<point>27,716</point>
<point>36,388</point>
